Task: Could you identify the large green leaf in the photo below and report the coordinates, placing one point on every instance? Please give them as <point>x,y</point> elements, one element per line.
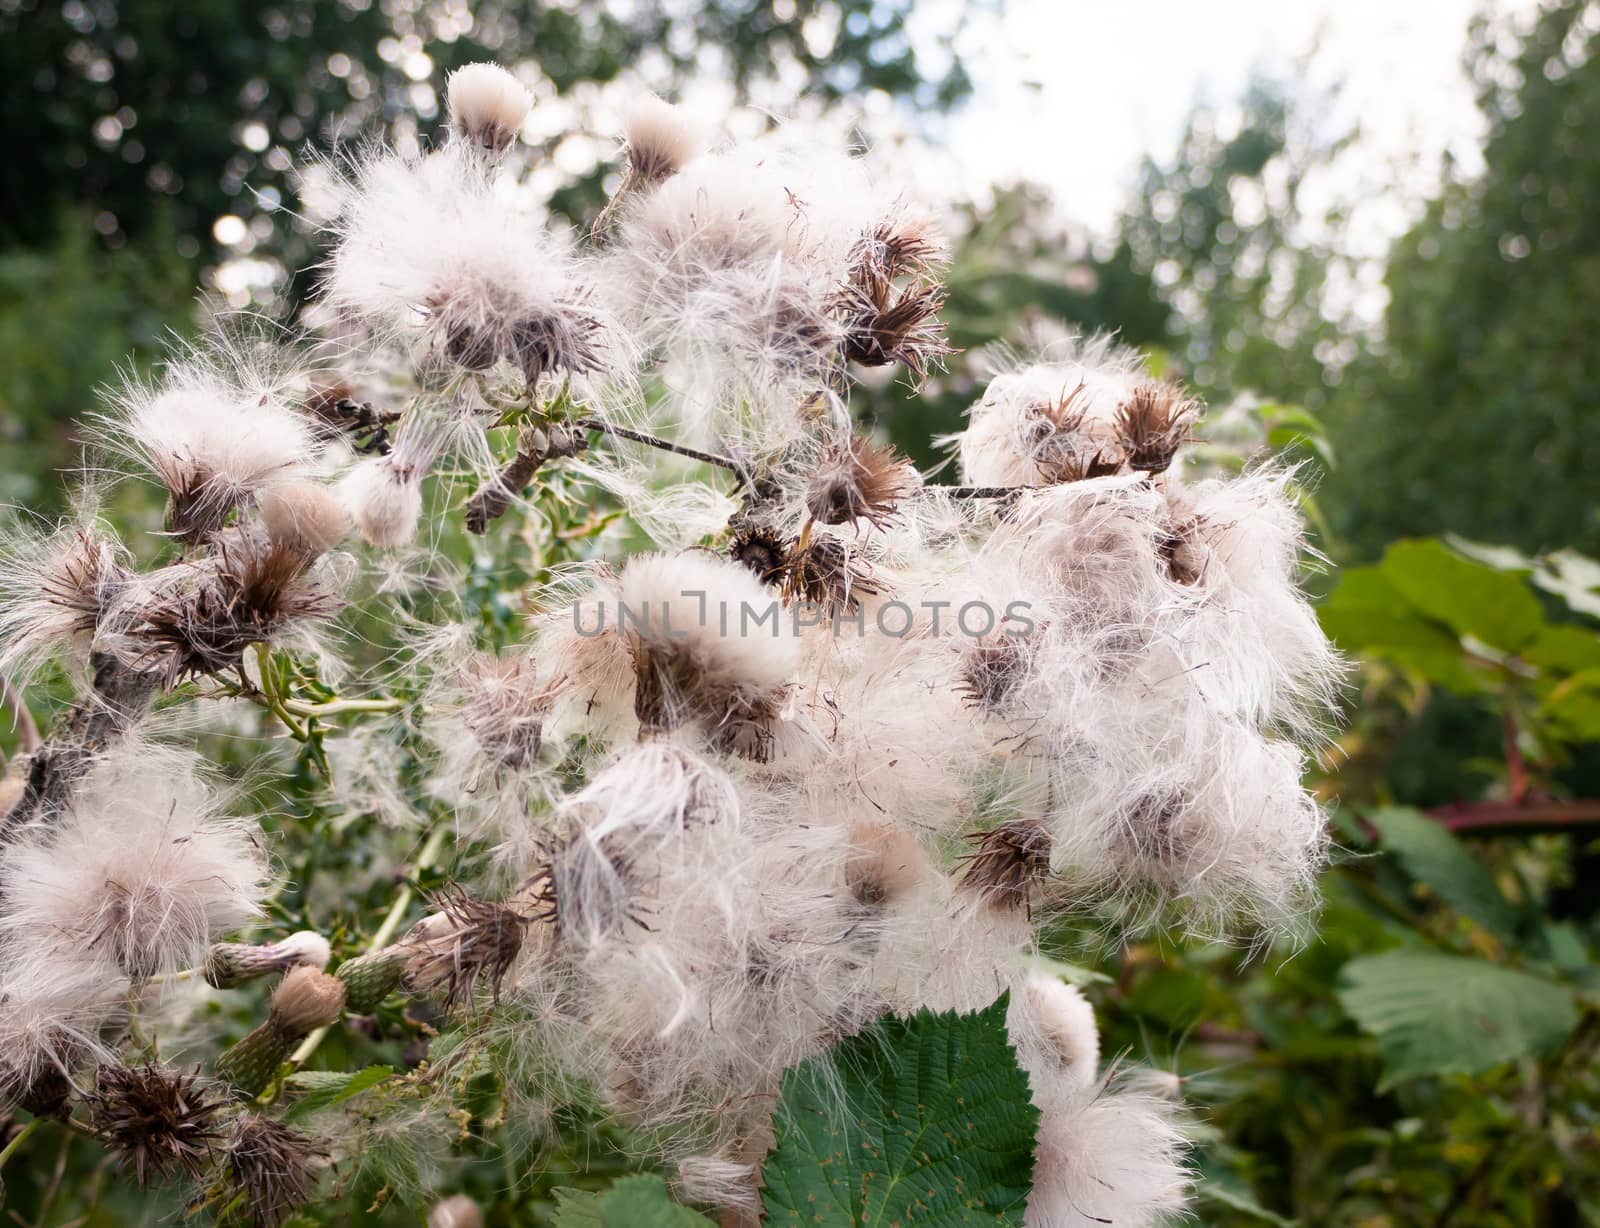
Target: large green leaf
<point>1469,597</point>
<point>1368,614</point>
<point>925,1120</point>
<point>1437,1014</point>
<point>1435,858</point>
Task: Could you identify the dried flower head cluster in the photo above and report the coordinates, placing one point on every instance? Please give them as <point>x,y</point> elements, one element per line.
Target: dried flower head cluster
<point>830,743</point>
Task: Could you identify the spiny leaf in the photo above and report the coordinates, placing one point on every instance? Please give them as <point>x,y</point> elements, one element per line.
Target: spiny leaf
<point>1439,1014</point>
<point>326,1088</point>
<point>641,1201</point>
<point>924,1120</point>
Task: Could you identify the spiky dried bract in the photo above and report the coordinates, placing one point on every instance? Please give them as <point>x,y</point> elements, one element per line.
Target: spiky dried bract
<point>660,139</point>
<point>467,941</point>
<point>229,964</point>
<point>54,590</point>
<point>271,1166</point>
<point>142,869</point>
<point>157,1120</point>
<point>762,549</point>
<point>830,575</point>
<point>1007,862</point>
<point>857,479</point>
<point>891,301</point>
<point>994,669</point>
<point>306,999</point>
<point>457,1211</point>
<point>1152,424</point>
<point>200,617</point>
<point>304,516</point>
<point>487,106</point>
<point>216,431</point>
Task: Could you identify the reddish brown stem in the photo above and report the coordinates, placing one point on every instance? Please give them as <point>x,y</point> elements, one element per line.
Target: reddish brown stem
<point>1494,818</point>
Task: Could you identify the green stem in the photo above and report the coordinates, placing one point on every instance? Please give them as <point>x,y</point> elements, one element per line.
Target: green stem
<point>335,707</point>
<point>18,1139</point>
<point>387,929</point>
<point>269,691</point>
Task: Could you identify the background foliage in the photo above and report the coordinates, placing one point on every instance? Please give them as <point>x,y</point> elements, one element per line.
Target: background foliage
<point>1427,1056</point>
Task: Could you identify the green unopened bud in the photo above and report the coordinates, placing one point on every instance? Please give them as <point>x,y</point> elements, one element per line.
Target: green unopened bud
<point>369,979</point>
<point>229,964</point>
<point>306,999</point>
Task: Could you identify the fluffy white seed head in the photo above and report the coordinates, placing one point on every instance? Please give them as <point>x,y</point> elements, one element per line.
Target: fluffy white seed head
<point>54,590</point>
<point>306,516</point>
<point>660,137</point>
<point>1054,1029</point>
<point>1110,1155</point>
<point>216,430</point>
<point>53,1007</point>
<point>142,869</point>
<point>487,106</point>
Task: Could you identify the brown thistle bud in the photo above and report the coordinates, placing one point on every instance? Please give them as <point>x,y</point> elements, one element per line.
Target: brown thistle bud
<point>229,964</point>
<point>335,411</point>
<point>157,1120</point>
<point>466,940</point>
<point>1007,861</point>
<point>247,592</point>
<point>857,479</point>
<point>306,999</point>
<point>270,1167</point>
<point>1152,423</point>
<point>891,303</point>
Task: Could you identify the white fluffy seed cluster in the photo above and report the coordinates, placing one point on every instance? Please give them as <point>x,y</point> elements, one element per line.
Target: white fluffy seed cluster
<point>832,747</point>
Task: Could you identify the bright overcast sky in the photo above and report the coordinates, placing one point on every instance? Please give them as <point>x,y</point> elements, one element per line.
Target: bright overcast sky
<point>1072,93</point>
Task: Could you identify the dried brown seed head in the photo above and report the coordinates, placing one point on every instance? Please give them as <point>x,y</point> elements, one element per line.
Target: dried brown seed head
<point>271,1167</point>
<point>1153,423</point>
<point>467,940</point>
<point>157,1120</point>
<point>856,479</point>
<point>1007,861</point>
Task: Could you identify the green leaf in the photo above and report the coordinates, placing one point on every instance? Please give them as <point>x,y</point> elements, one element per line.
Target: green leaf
<point>326,1088</point>
<point>643,1202</point>
<point>926,1119</point>
<point>1437,1014</point>
<point>577,1208</point>
<point>1367,614</point>
<point>640,1201</point>
<point>1468,597</point>
<point>1434,857</point>
<point>1574,706</point>
<point>1564,650</point>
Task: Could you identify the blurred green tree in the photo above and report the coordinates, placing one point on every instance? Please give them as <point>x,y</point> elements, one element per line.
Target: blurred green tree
<point>1477,413</point>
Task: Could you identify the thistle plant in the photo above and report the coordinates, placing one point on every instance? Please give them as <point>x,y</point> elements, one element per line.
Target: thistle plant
<point>759,741</point>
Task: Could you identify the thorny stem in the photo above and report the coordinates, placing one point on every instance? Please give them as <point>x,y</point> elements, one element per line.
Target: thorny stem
<point>18,1139</point>
<point>386,930</point>
<point>665,445</point>
<point>269,692</point>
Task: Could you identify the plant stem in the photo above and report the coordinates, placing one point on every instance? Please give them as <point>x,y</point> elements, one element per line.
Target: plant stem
<point>387,928</point>
<point>665,445</point>
<point>18,1139</point>
<point>1494,818</point>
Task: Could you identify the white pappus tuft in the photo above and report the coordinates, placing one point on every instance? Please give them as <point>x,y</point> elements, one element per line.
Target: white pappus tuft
<point>142,869</point>
<point>487,106</point>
